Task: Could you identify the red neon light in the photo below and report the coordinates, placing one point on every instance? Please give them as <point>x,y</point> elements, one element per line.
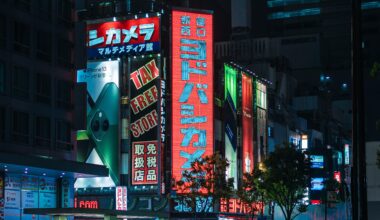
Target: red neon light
<point>86,204</point>
<point>186,29</point>
<point>247,107</point>
<point>337,176</point>
<point>315,202</point>
<point>101,31</point>
<point>237,206</point>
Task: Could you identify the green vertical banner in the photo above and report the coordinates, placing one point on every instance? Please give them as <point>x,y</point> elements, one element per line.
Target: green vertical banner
<point>230,120</point>
<point>102,79</point>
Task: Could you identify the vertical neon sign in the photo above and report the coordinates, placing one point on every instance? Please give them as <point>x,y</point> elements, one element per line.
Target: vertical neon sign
<point>247,122</point>
<point>192,88</point>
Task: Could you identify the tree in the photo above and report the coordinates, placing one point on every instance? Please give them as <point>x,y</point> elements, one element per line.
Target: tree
<point>285,178</point>
<point>250,192</point>
<point>205,183</point>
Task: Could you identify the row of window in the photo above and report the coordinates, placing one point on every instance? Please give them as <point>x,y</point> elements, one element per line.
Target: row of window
<point>44,8</point>
<point>39,134</point>
<point>42,89</point>
<point>43,43</point>
<point>244,48</point>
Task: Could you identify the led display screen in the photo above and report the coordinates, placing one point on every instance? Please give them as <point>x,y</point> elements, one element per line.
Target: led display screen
<point>192,88</point>
<point>144,75</point>
<point>102,79</point>
<point>230,120</point>
<point>346,154</point>
<point>247,123</point>
<point>128,37</point>
<point>316,184</point>
<point>316,161</point>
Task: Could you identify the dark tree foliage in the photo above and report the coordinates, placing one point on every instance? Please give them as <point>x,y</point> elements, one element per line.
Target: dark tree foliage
<point>251,193</point>
<point>204,184</point>
<point>285,178</point>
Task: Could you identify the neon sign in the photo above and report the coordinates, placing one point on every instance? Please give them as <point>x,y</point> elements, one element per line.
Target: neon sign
<point>126,37</point>
<point>247,118</point>
<point>192,84</point>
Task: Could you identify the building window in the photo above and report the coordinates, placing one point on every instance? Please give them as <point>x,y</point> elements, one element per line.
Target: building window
<point>2,77</point>
<point>23,5</point>
<point>63,94</point>
<point>22,38</point>
<point>20,82</point>
<point>63,135</point>
<point>20,132</point>
<point>64,10</point>
<point>291,14</point>
<point>42,132</point>
<point>44,9</point>
<point>44,46</point>
<point>64,51</point>
<point>2,123</point>
<point>42,91</point>
<point>3,31</point>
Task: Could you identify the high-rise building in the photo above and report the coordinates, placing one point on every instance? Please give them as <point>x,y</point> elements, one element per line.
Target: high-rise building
<point>37,158</point>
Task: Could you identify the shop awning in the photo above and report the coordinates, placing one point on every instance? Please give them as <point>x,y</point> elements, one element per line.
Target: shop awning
<point>41,166</point>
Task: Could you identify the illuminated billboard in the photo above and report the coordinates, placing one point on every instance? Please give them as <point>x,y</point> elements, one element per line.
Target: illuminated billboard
<point>192,88</point>
<point>317,184</point>
<point>230,126</point>
<point>127,37</point>
<point>102,79</point>
<point>247,123</point>
<point>346,154</point>
<point>316,161</point>
<point>261,120</point>
<point>144,115</point>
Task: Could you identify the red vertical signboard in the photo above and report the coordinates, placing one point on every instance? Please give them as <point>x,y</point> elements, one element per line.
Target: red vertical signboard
<point>192,88</point>
<point>247,121</point>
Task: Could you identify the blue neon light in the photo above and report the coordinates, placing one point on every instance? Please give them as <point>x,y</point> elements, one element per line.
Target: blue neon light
<point>298,13</point>
<point>278,3</point>
<point>370,5</point>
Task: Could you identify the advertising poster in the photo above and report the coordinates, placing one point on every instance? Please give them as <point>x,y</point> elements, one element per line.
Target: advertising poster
<point>316,161</point>
<point>192,88</point>
<point>247,123</point>
<point>230,106</point>
<point>12,197</point>
<point>102,79</point>
<point>127,37</point>
<point>29,199</point>
<point>144,115</point>
<point>261,104</point>
<point>121,198</point>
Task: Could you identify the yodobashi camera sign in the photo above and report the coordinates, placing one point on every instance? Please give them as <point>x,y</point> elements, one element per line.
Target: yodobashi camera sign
<point>192,88</point>
<point>102,79</point>
<point>127,37</point>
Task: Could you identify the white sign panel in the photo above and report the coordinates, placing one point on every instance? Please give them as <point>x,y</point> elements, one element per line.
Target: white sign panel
<point>121,198</point>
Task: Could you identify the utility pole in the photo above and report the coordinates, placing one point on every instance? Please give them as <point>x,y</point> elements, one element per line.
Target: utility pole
<point>359,191</point>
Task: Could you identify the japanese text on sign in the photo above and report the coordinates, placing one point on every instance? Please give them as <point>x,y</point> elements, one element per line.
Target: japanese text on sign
<point>192,83</point>
<point>123,37</point>
<point>121,198</point>
<point>144,162</point>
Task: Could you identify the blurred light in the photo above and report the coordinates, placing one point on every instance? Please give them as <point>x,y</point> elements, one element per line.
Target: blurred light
<point>114,18</point>
<point>44,174</point>
<point>6,170</point>
<point>146,15</point>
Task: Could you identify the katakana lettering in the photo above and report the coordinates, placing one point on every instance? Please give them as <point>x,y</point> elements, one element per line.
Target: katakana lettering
<point>147,29</point>
<point>129,34</point>
<point>191,157</point>
<point>188,136</point>
<point>193,49</point>
<point>94,39</point>
<point>110,36</point>
<point>186,92</point>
